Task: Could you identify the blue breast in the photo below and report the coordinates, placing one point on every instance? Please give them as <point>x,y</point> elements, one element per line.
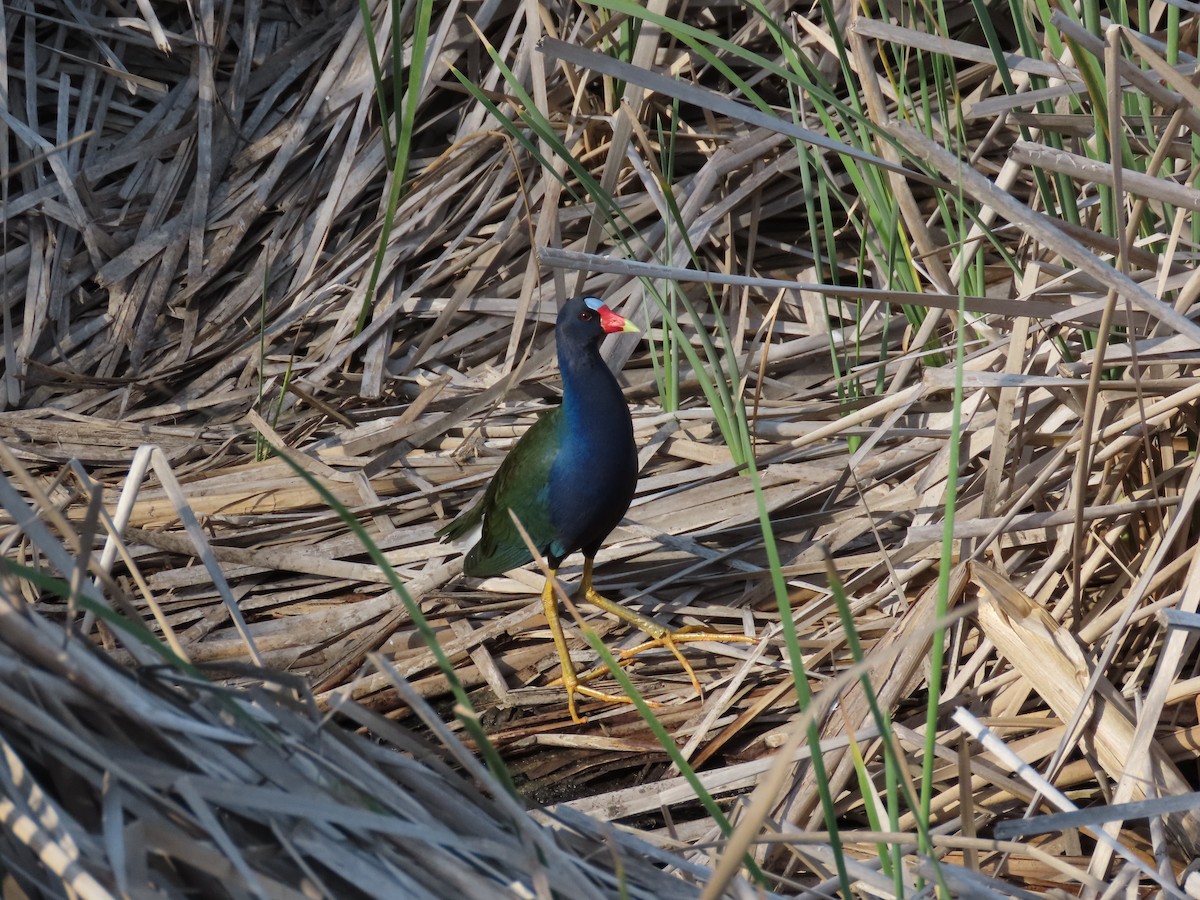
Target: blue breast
<point>595,474</point>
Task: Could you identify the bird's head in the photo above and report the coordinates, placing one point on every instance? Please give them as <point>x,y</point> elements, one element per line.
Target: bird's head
<point>585,320</point>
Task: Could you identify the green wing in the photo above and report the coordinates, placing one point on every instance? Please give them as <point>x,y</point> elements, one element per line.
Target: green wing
<point>464,523</point>
<point>522,485</point>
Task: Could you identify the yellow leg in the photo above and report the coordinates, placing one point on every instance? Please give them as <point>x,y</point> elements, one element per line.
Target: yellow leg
<point>570,680</point>
<point>660,635</point>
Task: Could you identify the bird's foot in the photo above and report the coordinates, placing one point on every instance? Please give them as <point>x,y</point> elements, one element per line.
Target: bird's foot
<point>571,683</point>
<point>660,635</point>
<point>689,634</point>
<point>569,679</point>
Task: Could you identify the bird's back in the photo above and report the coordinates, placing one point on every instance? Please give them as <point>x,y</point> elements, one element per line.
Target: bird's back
<point>522,485</point>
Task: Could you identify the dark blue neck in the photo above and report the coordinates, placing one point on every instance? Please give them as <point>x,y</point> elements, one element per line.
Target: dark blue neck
<point>591,395</point>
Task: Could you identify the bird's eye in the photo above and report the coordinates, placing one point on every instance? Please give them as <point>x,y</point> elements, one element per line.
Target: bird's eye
<point>584,316</point>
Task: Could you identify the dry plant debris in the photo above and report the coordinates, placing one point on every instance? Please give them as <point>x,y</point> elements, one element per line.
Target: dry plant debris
<point>193,198</point>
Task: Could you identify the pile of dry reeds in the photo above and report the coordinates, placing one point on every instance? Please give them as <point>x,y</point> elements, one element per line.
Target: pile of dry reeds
<point>160,783</point>
<point>193,202</point>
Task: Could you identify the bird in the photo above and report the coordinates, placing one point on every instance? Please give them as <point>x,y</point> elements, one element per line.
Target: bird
<point>569,481</point>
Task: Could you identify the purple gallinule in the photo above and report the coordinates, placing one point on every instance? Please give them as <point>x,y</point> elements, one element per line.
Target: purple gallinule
<point>569,480</point>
